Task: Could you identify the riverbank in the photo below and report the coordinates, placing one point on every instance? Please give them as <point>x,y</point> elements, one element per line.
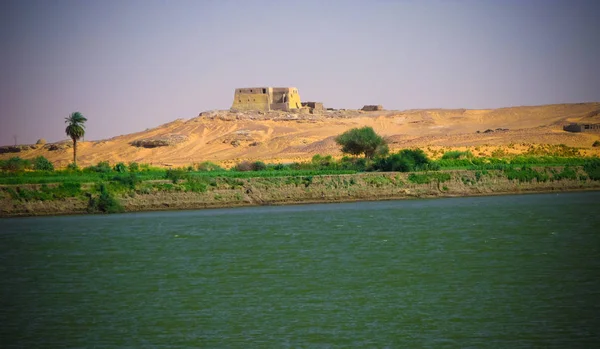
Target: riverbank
<point>162,195</point>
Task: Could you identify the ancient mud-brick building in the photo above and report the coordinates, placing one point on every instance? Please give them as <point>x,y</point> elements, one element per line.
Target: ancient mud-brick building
<point>575,127</point>
<point>313,107</point>
<point>266,99</point>
<point>372,108</point>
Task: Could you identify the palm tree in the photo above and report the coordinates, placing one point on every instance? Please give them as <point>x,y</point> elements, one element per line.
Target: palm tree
<point>75,130</point>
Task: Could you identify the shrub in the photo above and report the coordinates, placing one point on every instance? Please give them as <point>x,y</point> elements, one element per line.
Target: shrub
<point>129,181</point>
<point>419,178</point>
<point>394,162</point>
<point>592,168</point>
<point>351,163</point>
<point>101,167</point>
<point>134,167</point>
<point>279,167</point>
<point>208,166</point>
<point>258,166</point>
<point>67,190</point>
<point>456,154</point>
<point>15,164</point>
<point>596,144</point>
<point>322,162</point>
<point>525,174</point>
<point>42,164</point>
<point>566,173</point>
<point>72,167</point>
<point>243,166</point>
<point>120,167</point>
<point>197,184</point>
<point>308,180</point>
<point>378,181</point>
<point>405,160</point>
<point>175,175</point>
<point>105,202</point>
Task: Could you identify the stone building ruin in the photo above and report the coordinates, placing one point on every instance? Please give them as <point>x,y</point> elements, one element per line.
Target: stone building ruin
<point>372,108</point>
<point>266,99</point>
<point>575,127</point>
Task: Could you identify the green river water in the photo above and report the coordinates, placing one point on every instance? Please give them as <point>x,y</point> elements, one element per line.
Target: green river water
<point>485,272</point>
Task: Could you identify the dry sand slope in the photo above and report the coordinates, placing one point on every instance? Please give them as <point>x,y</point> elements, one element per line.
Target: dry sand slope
<point>227,137</point>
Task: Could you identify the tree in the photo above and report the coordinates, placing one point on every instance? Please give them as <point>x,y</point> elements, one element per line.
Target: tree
<point>75,129</point>
<point>362,141</point>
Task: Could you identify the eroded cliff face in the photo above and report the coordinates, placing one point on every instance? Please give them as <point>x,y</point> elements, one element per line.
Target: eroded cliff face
<point>228,137</point>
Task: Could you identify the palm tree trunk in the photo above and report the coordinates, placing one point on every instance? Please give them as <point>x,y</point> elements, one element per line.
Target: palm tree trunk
<point>75,152</point>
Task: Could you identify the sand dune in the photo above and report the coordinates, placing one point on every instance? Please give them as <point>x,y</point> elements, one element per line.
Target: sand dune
<point>227,137</point>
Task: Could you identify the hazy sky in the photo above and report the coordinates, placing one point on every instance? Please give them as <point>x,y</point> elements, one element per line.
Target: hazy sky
<point>130,65</point>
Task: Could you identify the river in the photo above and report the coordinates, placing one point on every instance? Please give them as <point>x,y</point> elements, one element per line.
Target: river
<point>487,272</point>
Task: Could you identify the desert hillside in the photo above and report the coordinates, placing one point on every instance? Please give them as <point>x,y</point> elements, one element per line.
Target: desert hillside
<point>227,137</point>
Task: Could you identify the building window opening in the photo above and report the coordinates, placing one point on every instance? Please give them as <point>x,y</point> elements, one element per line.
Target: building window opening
<point>264,90</point>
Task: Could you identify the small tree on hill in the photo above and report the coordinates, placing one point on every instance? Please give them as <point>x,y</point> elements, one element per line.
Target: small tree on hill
<point>363,140</point>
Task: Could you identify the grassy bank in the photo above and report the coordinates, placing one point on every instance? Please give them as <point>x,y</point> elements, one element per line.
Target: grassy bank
<point>409,173</point>
<point>205,192</point>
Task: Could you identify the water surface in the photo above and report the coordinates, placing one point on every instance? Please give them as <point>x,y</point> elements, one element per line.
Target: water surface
<point>495,272</point>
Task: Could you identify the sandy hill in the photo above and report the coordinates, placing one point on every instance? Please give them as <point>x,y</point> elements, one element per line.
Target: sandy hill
<point>228,137</point>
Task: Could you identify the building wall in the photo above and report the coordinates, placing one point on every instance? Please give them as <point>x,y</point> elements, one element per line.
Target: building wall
<point>266,98</point>
<point>581,127</point>
<point>252,98</point>
<point>372,107</point>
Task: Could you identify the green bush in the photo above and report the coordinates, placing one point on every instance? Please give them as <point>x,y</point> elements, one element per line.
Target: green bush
<point>134,167</point>
<point>208,166</point>
<point>566,173</point>
<point>525,174</point>
<point>129,180</point>
<point>15,164</point>
<point>175,175</point>
<point>232,182</point>
<point>198,184</point>
<point>72,167</point>
<point>101,167</point>
<point>377,181</point>
<point>456,154</point>
<point>596,144</point>
<point>278,167</point>
<point>394,162</point>
<point>406,160</point>
<point>592,168</point>
<point>258,166</point>
<point>120,167</point>
<point>67,190</point>
<point>245,166</point>
<point>353,163</point>
<point>42,164</point>
<point>64,190</point>
<point>105,202</point>
<point>307,181</point>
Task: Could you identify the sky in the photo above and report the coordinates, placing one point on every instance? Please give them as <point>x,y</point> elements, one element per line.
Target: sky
<point>129,65</point>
